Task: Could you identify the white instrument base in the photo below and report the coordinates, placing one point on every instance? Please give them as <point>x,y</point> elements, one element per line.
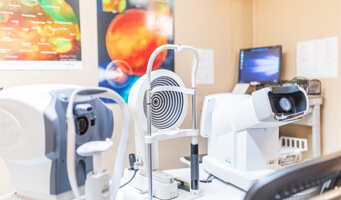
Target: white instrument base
<point>239,178</point>
<point>64,196</point>
<point>164,187</point>
<point>131,193</point>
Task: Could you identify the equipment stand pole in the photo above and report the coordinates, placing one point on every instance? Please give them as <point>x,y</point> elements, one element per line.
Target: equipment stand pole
<point>194,147</point>
<point>149,133</point>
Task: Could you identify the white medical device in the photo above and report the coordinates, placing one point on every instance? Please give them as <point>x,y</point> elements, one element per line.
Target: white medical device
<point>33,139</point>
<point>242,131</point>
<point>97,185</point>
<point>158,104</point>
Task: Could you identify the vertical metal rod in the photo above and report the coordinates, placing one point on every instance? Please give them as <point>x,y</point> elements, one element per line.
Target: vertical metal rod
<point>149,133</point>
<point>194,146</point>
<point>194,109</point>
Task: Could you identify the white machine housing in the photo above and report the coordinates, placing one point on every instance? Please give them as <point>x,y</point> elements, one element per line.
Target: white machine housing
<point>137,109</point>
<point>158,104</point>
<point>33,138</point>
<point>243,132</point>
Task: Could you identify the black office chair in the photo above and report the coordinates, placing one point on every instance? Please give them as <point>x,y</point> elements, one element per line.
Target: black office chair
<point>300,180</point>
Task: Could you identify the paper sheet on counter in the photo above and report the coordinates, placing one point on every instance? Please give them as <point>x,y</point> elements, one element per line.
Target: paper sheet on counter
<point>318,58</point>
<point>205,71</point>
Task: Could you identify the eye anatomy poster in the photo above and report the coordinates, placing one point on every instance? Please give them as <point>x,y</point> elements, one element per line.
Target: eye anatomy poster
<point>40,34</point>
<point>128,33</point>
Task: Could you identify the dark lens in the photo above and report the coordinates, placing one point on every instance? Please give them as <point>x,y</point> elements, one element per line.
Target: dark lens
<point>82,125</point>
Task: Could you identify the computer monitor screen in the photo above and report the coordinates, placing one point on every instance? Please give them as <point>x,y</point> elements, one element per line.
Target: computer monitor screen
<point>260,64</point>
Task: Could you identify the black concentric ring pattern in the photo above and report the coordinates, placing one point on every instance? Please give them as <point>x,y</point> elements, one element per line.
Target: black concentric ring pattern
<point>166,106</point>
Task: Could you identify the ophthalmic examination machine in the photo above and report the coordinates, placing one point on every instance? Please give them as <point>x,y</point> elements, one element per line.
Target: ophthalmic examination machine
<point>243,131</point>
<point>158,103</point>
<point>52,137</point>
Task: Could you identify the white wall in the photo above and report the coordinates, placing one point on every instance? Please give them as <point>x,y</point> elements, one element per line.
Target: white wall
<point>287,22</point>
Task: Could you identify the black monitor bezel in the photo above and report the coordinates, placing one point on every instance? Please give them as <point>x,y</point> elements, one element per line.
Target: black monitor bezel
<point>279,68</point>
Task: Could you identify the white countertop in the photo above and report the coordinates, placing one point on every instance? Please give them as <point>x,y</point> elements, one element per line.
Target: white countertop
<point>215,190</point>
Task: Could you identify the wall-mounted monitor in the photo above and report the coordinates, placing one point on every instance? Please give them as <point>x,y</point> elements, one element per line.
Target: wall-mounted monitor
<point>260,65</point>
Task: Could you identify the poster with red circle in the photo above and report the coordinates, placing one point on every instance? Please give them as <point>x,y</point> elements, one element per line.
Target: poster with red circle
<point>128,32</point>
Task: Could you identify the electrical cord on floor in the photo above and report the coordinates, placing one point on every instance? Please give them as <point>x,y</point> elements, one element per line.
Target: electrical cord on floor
<point>130,179</point>
<point>209,179</point>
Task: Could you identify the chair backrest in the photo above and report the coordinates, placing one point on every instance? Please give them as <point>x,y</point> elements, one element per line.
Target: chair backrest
<point>298,178</point>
